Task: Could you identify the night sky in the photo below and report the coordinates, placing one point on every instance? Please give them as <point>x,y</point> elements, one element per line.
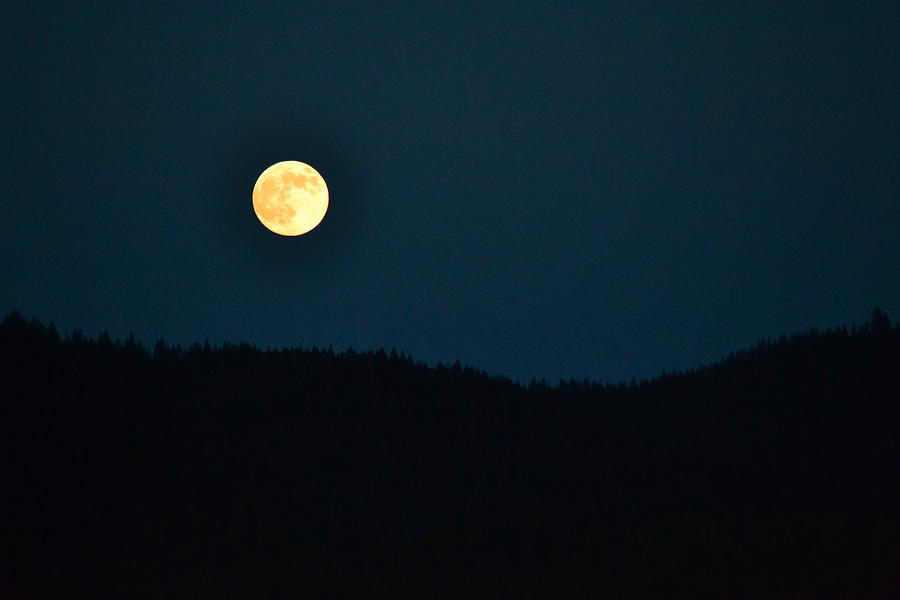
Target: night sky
<point>599,190</point>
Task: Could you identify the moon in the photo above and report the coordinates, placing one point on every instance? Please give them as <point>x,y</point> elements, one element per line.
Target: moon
<point>290,198</point>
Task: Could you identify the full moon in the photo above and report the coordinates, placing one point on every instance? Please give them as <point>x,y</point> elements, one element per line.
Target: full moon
<point>290,198</point>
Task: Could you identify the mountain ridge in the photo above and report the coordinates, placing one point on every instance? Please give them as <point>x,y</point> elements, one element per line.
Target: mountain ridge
<point>770,472</point>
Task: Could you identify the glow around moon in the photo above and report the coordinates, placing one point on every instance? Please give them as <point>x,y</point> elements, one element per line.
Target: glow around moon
<point>290,198</point>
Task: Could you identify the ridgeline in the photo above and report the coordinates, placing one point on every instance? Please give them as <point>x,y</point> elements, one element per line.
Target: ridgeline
<point>232,472</point>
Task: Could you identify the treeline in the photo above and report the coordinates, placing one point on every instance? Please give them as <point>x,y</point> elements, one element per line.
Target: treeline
<point>20,336</point>
<point>770,473</point>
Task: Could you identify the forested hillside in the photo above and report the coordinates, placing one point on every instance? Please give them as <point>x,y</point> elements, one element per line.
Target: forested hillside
<point>233,471</point>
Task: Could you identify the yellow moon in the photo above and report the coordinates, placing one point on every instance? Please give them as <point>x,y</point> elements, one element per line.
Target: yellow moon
<point>290,198</point>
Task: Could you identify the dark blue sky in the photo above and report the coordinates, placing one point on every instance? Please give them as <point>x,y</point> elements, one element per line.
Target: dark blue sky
<point>599,189</point>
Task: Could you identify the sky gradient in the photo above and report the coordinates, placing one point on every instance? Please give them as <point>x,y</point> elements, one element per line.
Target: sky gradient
<point>599,190</point>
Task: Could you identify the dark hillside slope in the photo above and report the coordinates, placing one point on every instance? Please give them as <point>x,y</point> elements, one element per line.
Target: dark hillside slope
<point>234,472</point>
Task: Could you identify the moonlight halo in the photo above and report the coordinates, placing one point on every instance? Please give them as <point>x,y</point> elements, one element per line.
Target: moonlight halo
<point>290,198</point>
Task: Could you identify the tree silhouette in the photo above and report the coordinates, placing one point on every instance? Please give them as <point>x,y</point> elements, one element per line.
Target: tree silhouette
<point>770,473</point>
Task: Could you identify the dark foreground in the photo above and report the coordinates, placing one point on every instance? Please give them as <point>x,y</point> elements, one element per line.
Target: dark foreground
<point>231,472</point>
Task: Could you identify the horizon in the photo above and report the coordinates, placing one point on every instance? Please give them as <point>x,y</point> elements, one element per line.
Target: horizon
<point>877,318</point>
<point>243,473</point>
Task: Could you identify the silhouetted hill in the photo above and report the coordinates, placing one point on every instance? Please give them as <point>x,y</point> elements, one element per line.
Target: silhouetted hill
<point>232,471</point>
